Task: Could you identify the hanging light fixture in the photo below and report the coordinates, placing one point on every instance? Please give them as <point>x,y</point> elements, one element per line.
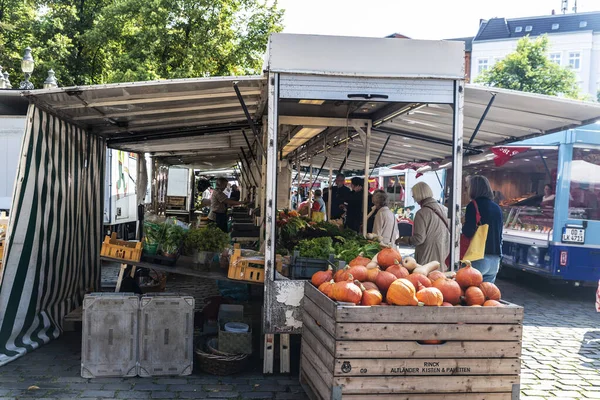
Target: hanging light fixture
<point>27,65</point>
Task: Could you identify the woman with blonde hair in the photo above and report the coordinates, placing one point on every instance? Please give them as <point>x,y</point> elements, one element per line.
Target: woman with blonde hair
<point>385,225</point>
<point>431,233</point>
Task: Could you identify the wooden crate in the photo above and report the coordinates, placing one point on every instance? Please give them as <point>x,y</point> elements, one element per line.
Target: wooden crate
<point>240,267</point>
<point>176,202</point>
<point>122,249</point>
<point>362,353</point>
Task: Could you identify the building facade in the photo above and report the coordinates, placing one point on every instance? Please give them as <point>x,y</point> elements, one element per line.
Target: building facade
<point>574,43</point>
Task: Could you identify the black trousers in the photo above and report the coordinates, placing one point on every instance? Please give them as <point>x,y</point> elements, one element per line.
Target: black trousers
<point>221,221</point>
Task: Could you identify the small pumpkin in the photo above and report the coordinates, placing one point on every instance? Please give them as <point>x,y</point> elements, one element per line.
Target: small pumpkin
<point>342,274</point>
<point>359,272</point>
<point>468,276</point>
<point>398,271</point>
<point>418,278</point>
<point>359,260</point>
<point>435,275</point>
<point>450,290</point>
<point>474,296</point>
<point>347,292</point>
<point>372,274</point>
<point>370,297</point>
<point>327,287</point>
<point>321,277</point>
<point>446,304</point>
<point>372,264</point>
<point>493,303</point>
<point>388,257</point>
<point>430,296</point>
<point>384,280</point>
<point>409,263</point>
<point>490,291</point>
<point>370,285</point>
<point>402,293</point>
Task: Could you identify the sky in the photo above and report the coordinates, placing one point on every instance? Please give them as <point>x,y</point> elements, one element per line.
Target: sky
<point>417,19</point>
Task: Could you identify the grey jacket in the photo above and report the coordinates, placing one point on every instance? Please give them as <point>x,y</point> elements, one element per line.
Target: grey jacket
<point>431,236</point>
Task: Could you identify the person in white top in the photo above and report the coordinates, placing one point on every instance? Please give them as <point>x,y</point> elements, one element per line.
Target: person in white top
<point>548,198</point>
<point>385,226</point>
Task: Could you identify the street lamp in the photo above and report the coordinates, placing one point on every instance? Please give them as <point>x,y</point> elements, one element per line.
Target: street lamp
<point>50,82</point>
<point>27,65</point>
<point>7,84</point>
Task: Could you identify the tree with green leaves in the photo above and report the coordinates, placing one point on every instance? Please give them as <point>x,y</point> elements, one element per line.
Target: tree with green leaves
<point>529,69</point>
<point>101,41</point>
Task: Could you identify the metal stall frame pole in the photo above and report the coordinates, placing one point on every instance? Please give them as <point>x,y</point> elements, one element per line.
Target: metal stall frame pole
<point>330,197</point>
<point>263,185</point>
<point>271,210</point>
<point>310,196</point>
<point>457,162</point>
<point>366,182</point>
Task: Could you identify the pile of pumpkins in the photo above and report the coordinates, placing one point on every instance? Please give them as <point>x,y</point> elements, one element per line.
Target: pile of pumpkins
<point>388,279</point>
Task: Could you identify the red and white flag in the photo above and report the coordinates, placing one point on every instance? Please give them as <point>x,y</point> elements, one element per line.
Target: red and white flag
<point>503,154</point>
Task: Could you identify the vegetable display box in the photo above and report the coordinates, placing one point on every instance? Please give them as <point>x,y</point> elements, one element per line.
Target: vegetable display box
<point>362,353</point>
<point>122,249</point>
<point>304,268</point>
<point>240,267</point>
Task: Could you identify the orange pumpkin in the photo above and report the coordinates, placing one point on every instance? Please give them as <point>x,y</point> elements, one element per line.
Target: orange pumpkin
<point>370,285</point>
<point>435,275</point>
<point>320,277</point>
<point>446,304</point>
<point>398,271</point>
<point>359,272</point>
<point>342,274</point>
<point>490,291</point>
<point>450,290</point>
<point>402,293</point>
<point>370,297</point>
<point>384,280</point>
<point>415,279</point>
<point>429,341</point>
<point>474,296</point>
<point>468,276</point>
<point>326,288</point>
<point>346,291</point>
<point>493,303</point>
<point>360,260</point>
<point>430,296</point>
<point>388,257</point>
<point>372,274</point>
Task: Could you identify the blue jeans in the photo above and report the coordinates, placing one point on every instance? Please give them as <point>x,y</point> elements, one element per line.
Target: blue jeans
<point>488,266</point>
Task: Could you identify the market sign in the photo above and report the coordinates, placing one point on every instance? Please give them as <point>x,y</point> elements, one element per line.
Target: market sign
<point>503,154</point>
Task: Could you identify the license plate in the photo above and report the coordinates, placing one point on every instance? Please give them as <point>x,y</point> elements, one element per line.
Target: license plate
<point>573,235</point>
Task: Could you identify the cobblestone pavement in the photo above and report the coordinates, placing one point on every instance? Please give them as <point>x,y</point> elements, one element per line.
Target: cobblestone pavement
<point>561,358</point>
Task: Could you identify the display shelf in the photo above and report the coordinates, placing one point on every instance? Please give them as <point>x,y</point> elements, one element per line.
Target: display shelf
<point>525,237</point>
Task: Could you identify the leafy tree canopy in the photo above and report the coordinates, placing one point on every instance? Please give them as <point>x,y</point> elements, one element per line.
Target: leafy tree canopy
<point>529,69</point>
<point>105,41</point>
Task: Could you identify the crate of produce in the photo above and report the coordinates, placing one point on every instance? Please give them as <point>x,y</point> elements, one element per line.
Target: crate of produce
<point>379,352</point>
<point>109,335</point>
<point>166,334</point>
<point>121,249</point>
<point>304,268</point>
<point>251,269</point>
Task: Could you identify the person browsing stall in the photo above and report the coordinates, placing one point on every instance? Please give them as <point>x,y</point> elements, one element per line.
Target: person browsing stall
<point>385,225</point>
<point>219,203</point>
<point>338,194</point>
<point>482,197</point>
<point>431,234</point>
<point>354,206</point>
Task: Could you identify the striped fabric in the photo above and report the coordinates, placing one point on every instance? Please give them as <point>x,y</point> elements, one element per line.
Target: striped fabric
<point>54,238</point>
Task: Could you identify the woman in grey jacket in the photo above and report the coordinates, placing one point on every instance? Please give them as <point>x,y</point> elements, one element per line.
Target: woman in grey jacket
<point>431,236</point>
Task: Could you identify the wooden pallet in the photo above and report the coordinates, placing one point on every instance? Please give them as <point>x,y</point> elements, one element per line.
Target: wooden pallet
<point>356,352</point>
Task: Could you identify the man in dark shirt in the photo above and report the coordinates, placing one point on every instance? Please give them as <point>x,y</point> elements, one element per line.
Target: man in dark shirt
<point>339,194</point>
<point>235,193</point>
<point>354,208</point>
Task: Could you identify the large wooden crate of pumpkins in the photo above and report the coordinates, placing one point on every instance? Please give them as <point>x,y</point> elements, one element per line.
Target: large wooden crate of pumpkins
<point>385,352</point>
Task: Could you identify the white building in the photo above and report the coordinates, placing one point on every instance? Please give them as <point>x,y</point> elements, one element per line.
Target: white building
<point>574,42</point>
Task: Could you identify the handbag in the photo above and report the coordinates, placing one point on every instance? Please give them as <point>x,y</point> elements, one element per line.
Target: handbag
<point>471,249</point>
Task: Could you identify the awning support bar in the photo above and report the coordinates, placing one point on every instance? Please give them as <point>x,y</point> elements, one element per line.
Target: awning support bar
<point>249,118</point>
<point>344,162</point>
<point>487,108</point>
<point>249,147</point>
<point>249,167</point>
<point>380,153</point>
<point>319,173</point>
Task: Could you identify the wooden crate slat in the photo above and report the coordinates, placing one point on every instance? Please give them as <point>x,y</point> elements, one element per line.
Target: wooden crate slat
<point>309,371</point>
<point>326,357</point>
<point>326,339</point>
<point>426,384</point>
<point>383,331</point>
<point>325,373</point>
<point>406,367</point>
<point>319,316</point>
<point>502,315</point>
<point>437,396</point>
<point>412,349</point>
<point>322,301</point>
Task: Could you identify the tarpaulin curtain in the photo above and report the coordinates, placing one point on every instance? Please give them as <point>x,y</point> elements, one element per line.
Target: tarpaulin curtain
<point>54,236</point>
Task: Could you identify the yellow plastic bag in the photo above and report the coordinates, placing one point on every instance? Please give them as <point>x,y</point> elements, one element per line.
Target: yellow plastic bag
<point>318,216</point>
<point>476,250</point>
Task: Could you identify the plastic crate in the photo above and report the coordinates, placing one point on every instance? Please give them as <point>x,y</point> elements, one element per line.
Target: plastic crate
<point>122,249</point>
<point>109,335</point>
<point>304,268</point>
<point>166,335</point>
<point>240,269</point>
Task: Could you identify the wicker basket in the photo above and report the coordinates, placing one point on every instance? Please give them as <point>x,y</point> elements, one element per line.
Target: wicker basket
<point>215,362</point>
